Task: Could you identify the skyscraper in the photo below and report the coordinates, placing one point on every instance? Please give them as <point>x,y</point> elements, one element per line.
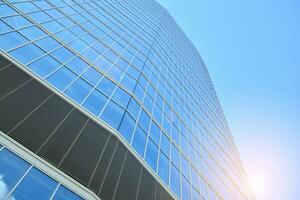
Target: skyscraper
<point>108,99</point>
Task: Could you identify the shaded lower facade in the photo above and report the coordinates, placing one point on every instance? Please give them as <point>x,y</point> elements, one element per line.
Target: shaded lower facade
<point>63,136</point>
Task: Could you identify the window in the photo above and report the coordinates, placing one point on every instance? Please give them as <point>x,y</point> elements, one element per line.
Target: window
<point>61,78</point>
<point>175,156</point>
<point>148,103</point>
<point>155,132</point>
<point>184,145</point>
<point>63,55</point>
<point>165,144</point>
<point>139,92</point>
<point>103,64</point>
<point>194,178</point>
<point>151,154</point>
<point>185,189</point>
<point>48,44</point>
<point>78,45</point>
<point>185,167</point>
<point>44,66</point>
<point>12,168</point>
<point>144,120</point>
<point>91,54</point>
<point>27,53</point>
<point>175,135</point>
<point>77,30</point>
<point>39,17</point>
<point>127,127</point>
<point>175,180</point>
<point>167,126</point>
<point>11,40</point>
<point>77,65</point>
<point>35,186</point>
<point>17,21</point>
<point>115,73</point>
<point>195,194</point>
<point>121,97</point>
<point>32,32</point>
<point>139,141</point>
<point>6,10</point>
<point>65,36</point>
<point>43,5</point>
<point>134,108</point>
<point>157,114</point>
<point>163,167</point>
<point>106,86</point>
<point>128,82</point>
<point>3,27</point>
<point>26,7</point>
<point>78,90</point>
<point>92,75</point>
<point>95,102</point>
<point>112,114</point>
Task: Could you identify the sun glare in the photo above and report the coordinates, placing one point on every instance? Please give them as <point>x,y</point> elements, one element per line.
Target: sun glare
<point>257,184</point>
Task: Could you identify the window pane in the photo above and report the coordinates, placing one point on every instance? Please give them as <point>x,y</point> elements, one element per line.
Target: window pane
<point>106,86</point>
<point>144,120</point>
<point>121,97</point>
<point>27,53</point>
<point>78,45</point>
<point>95,102</point>
<point>139,141</point>
<point>26,7</point>
<point>61,78</point>
<point>92,76</point>
<point>185,167</point>
<point>151,154</point>
<point>112,114</point>
<point>134,108</point>
<point>175,180</point>
<point>39,17</point>
<point>6,10</point>
<point>165,144</point>
<point>44,66</point>
<point>103,64</point>
<point>35,186</point>
<point>175,135</point>
<point>175,156</point>
<point>4,27</point>
<point>12,168</point>
<point>163,167</point>
<point>127,127</point>
<point>195,194</point>
<point>48,44</point>
<point>78,90</point>
<point>185,189</point>
<point>17,21</point>
<point>64,193</point>
<point>155,132</point>
<point>77,65</point>
<point>32,32</point>
<point>62,54</point>
<point>11,40</point>
<point>194,178</point>
<point>128,82</point>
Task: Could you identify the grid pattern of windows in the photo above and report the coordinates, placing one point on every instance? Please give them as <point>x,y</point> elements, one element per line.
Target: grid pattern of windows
<point>21,180</point>
<point>129,64</point>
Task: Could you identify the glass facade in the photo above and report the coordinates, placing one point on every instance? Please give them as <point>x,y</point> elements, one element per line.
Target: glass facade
<point>21,180</point>
<point>129,65</point>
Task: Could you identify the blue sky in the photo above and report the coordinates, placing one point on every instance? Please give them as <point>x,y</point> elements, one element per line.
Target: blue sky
<point>252,51</point>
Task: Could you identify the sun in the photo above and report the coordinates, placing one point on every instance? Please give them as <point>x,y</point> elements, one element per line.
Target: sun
<point>257,184</point>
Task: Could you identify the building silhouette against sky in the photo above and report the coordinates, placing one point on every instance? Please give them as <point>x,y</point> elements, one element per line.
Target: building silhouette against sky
<point>108,100</point>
